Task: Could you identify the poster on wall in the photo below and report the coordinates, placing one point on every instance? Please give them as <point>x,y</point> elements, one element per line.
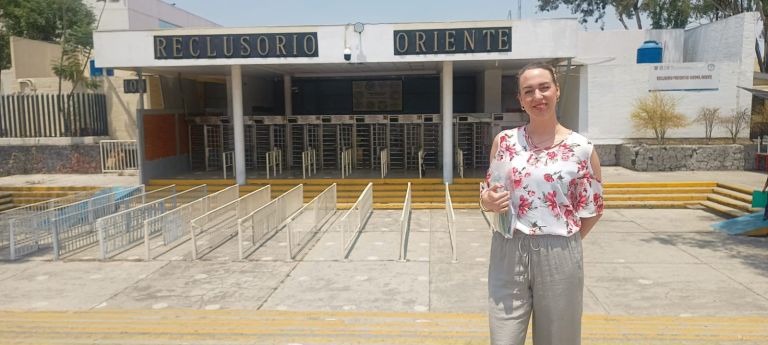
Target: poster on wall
<point>377,95</point>
<point>684,77</point>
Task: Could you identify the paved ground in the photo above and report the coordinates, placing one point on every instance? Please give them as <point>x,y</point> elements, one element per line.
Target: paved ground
<point>652,277</point>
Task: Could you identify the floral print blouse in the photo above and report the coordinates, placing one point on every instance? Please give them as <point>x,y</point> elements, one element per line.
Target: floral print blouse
<point>552,188</point>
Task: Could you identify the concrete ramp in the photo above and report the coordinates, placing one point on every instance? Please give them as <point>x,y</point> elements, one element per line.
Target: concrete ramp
<point>749,225</point>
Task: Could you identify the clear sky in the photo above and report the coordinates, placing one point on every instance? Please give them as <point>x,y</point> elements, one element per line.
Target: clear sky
<point>244,13</point>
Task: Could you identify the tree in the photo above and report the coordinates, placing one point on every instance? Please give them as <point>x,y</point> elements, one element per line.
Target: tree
<point>668,14</point>
<point>657,113</point>
<point>587,9</point>
<point>735,123</point>
<point>708,116</point>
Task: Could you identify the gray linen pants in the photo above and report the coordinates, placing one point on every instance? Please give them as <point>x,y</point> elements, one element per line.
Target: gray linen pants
<point>542,274</point>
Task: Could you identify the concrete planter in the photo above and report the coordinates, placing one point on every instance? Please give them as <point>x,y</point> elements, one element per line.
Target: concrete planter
<point>681,157</point>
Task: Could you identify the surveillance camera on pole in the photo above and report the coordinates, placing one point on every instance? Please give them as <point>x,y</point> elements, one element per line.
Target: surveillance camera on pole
<point>347,54</point>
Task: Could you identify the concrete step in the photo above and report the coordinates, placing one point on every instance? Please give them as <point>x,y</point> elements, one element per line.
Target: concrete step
<point>651,204</point>
<point>680,184</point>
<point>196,327</point>
<point>723,210</point>
<point>734,194</point>
<point>732,203</point>
<point>681,190</point>
<point>656,197</point>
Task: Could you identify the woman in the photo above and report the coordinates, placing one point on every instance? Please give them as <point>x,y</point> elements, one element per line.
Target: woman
<point>554,177</point>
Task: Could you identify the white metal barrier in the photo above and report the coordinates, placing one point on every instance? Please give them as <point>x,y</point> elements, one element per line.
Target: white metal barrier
<point>384,158</point>
<point>302,225</point>
<point>308,163</point>
<point>176,225</point>
<point>346,163</point>
<point>31,233</point>
<point>261,224</point>
<point>228,161</point>
<point>405,222</point>
<point>118,155</point>
<point>352,222</point>
<point>460,161</point>
<point>451,221</point>
<point>274,159</point>
<point>421,163</point>
<point>219,225</point>
<point>32,210</point>
<point>123,230</point>
<point>76,230</point>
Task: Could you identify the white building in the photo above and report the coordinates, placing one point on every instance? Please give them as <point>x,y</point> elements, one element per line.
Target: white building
<point>426,74</point>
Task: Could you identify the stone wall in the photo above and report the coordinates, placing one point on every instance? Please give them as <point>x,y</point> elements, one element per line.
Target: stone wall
<point>607,154</point>
<point>49,159</point>
<point>682,157</point>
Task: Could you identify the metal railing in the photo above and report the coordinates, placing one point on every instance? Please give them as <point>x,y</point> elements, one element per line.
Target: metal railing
<point>32,210</point>
<point>274,159</point>
<point>346,162</point>
<point>384,158</point>
<point>76,230</point>
<point>352,222</point>
<point>421,163</point>
<point>460,161</point>
<point>405,222</point>
<point>451,216</point>
<point>123,230</point>
<point>219,225</point>
<point>31,233</point>
<point>258,226</point>
<point>50,115</point>
<point>308,163</point>
<point>118,155</point>
<point>302,225</point>
<point>176,225</point>
<point>228,161</point>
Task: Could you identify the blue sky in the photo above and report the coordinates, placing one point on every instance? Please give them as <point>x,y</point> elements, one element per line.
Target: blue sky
<point>244,13</point>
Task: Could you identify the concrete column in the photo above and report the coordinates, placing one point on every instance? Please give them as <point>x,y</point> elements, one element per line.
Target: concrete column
<point>288,102</point>
<point>287,94</point>
<point>492,91</point>
<point>237,120</point>
<point>446,101</point>
<point>140,122</point>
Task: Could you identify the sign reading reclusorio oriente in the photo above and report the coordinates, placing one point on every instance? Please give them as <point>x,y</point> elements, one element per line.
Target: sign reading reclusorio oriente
<point>236,46</point>
<point>453,41</point>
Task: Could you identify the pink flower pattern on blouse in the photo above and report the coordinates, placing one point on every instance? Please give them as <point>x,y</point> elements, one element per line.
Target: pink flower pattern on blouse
<point>552,188</point>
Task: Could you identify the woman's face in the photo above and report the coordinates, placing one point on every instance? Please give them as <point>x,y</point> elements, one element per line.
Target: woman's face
<point>538,92</point>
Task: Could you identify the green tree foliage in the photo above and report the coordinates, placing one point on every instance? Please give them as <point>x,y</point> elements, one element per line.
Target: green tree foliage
<point>668,14</point>
<point>596,9</point>
<point>657,113</point>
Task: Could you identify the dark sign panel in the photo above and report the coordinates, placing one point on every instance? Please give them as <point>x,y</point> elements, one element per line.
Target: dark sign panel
<point>133,86</point>
<point>377,95</point>
<point>453,41</point>
<point>301,44</point>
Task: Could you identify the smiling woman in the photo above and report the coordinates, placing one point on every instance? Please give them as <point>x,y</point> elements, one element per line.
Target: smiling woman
<point>554,175</point>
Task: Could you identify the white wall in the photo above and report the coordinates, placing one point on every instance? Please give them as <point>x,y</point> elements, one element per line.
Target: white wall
<point>375,44</point>
<point>730,39</point>
<point>620,46</point>
<point>143,15</point>
<point>613,90</point>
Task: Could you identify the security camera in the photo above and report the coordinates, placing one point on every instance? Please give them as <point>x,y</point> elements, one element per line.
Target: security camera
<point>347,54</point>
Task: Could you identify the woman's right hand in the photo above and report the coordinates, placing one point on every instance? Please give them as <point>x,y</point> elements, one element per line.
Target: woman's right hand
<point>494,199</point>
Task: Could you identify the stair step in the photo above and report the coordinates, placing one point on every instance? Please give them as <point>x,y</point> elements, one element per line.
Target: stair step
<point>724,210</point>
<point>736,187</point>
<point>656,197</point>
<point>660,184</point>
<point>652,190</point>
<point>651,204</point>
<point>726,201</point>
<point>736,195</point>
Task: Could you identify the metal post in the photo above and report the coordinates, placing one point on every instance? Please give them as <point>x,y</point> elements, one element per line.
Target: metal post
<point>446,98</point>
<point>140,122</point>
<point>237,120</point>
